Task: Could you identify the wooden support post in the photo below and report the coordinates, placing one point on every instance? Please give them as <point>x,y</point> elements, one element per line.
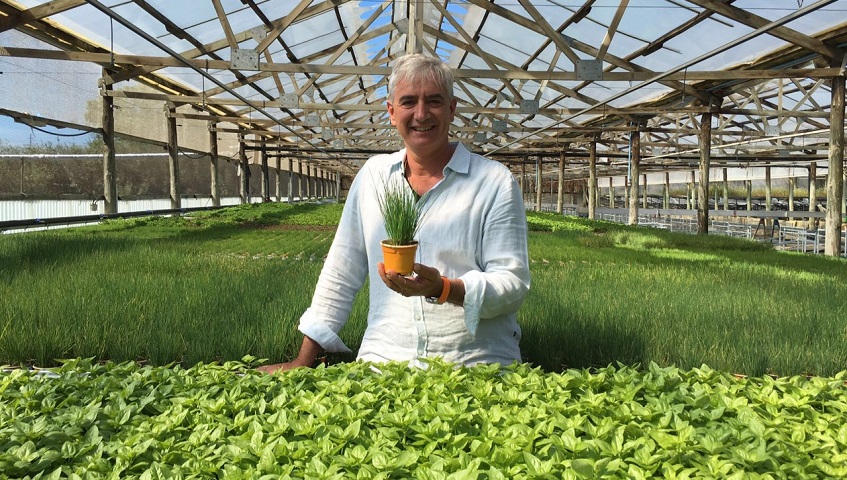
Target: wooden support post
<point>290,179</point>
<point>523,178</point>
<point>592,179</point>
<point>725,189</point>
<point>705,165</point>
<point>173,155</point>
<point>749,185</point>
<point>325,183</point>
<point>635,156</point>
<point>266,178</point>
<point>768,189</point>
<point>560,192</point>
<point>611,192</point>
<point>538,184</point>
<point>244,184</point>
<point>667,191</point>
<point>643,190</point>
<point>300,186</point>
<point>278,178</point>
<point>110,184</point>
<point>813,176</point>
<point>213,164</point>
<point>319,182</point>
<point>791,186</point>
<point>310,178</point>
<point>338,186</point>
<point>835,176</point>
<point>328,183</point>
<point>692,191</point>
<point>717,200</point>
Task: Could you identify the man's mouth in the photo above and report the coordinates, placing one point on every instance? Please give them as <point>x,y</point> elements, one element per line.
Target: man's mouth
<point>423,129</point>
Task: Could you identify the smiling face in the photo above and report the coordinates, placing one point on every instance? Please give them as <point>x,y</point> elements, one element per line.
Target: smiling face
<point>422,112</point>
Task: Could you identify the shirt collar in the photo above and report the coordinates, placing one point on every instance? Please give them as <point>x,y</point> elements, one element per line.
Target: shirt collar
<point>459,162</point>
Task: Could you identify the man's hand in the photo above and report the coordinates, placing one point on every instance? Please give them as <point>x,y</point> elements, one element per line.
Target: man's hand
<point>307,357</point>
<point>282,367</point>
<point>425,282</point>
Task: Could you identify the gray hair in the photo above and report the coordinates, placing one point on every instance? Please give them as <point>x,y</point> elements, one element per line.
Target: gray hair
<point>416,66</point>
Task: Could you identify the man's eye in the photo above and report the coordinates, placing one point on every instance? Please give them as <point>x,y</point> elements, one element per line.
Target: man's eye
<point>408,103</point>
<point>436,103</point>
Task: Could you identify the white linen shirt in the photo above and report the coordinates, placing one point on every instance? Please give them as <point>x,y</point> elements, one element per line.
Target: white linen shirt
<point>474,228</point>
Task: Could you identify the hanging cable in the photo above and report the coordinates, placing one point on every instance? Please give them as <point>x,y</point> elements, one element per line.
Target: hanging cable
<point>193,156</point>
<point>59,134</point>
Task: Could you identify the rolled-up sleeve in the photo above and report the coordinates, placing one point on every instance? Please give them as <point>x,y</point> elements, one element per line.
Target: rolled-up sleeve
<point>343,274</point>
<point>504,280</point>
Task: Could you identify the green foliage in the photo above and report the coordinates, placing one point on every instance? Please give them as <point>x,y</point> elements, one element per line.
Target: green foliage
<point>357,420</point>
<point>401,212</point>
<point>216,285</point>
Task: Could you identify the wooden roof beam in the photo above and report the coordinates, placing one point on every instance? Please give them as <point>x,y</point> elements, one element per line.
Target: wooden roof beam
<point>754,21</point>
<point>473,46</point>
<point>283,23</point>
<point>341,49</point>
<point>551,33</point>
<point>37,13</point>
<point>224,20</point>
<point>613,27</point>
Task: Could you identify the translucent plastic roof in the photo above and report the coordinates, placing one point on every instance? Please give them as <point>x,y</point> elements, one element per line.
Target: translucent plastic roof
<point>533,77</point>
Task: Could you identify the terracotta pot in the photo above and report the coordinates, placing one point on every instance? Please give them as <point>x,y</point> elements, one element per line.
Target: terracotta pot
<point>399,258</point>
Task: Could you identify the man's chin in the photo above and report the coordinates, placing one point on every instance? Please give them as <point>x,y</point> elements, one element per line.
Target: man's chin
<point>422,138</point>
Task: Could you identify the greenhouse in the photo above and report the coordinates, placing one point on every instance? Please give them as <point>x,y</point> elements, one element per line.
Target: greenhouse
<point>680,164</point>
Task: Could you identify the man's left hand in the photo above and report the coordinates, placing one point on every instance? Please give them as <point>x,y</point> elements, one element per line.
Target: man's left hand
<point>425,281</point>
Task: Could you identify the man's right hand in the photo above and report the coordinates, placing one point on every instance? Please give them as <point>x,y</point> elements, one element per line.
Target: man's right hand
<point>282,367</point>
<point>307,357</point>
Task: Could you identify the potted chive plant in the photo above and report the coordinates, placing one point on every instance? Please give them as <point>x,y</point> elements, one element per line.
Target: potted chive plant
<point>401,215</point>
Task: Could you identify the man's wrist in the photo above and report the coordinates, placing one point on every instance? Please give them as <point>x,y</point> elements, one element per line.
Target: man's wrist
<point>445,292</point>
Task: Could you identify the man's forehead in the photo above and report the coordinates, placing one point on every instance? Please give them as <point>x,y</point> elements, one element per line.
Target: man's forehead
<point>419,86</point>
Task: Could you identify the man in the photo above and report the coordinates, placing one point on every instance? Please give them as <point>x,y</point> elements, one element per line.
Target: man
<point>473,233</point>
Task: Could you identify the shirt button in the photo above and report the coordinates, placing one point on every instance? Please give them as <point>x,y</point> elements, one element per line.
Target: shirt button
<point>417,319</point>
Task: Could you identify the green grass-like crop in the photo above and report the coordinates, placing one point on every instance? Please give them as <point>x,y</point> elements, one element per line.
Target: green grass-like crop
<point>218,285</point>
<point>207,287</point>
<point>606,292</point>
<point>401,212</point>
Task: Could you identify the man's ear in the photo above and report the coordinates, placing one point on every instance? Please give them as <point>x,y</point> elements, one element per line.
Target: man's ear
<point>390,112</point>
<point>453,104</point>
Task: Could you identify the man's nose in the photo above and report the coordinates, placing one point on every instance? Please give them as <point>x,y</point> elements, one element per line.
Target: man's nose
<point>421,110</point>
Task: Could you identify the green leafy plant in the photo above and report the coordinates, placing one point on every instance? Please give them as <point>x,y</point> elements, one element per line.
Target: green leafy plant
<point>359,420</point>
<point>400,211</point>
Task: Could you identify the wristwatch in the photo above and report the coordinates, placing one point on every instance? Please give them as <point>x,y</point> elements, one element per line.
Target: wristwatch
<point>445,291</point>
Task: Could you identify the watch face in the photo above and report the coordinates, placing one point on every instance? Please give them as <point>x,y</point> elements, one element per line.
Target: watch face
<point>432,300</point>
